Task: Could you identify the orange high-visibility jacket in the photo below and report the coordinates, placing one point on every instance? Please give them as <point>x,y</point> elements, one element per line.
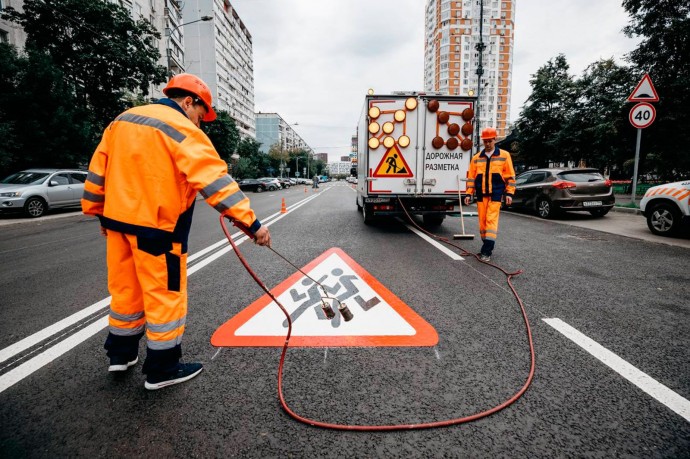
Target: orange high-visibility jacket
<point>144,176</point>
<point>491,176</point>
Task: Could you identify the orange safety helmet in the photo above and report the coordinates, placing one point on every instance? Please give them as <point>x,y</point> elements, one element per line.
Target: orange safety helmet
<point>489,133</point>
<point>196,86</point>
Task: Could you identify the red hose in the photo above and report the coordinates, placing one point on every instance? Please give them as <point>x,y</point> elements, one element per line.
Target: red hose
<point>374,428</point>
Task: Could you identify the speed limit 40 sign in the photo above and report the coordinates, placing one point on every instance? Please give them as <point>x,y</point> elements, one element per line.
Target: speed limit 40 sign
<point>642,115</point>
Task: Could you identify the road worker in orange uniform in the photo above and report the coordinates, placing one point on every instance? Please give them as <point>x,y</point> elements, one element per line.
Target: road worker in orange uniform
<point>491,177</point>
<point>142,183</point>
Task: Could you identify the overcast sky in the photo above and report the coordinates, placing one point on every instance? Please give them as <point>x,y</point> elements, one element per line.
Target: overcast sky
<point>315,59</point>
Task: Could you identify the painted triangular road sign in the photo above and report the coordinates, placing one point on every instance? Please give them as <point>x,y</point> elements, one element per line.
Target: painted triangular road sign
<point>380,317</point>
<point>393,164</point>
<point>644,91</point>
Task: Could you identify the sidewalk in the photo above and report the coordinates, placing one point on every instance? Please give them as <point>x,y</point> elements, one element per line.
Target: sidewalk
<point>624,199</point>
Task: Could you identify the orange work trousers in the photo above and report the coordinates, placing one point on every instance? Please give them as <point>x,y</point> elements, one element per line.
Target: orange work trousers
<point>488,212</point>
<point>148,283</point>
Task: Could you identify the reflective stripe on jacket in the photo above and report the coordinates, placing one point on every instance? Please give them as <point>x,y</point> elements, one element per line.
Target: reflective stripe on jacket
<point>491,176</point>
<point>145,173</point>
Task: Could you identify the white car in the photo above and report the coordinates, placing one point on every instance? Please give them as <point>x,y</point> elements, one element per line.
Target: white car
<point>34,191</point>
<point>667,207</point>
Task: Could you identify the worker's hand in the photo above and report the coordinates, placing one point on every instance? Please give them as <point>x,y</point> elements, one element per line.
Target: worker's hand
<point>468,199</point>
<point>509,200</point>
<point>104,232</point>
<point>262,236</point>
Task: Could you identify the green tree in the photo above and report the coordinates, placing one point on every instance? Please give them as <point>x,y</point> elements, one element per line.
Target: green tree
<point>103,54</point>
<point>545,113</point>
<point>597,131</point>
<point>664,52</point>
<point>223,134</point>
<point>47,127</point>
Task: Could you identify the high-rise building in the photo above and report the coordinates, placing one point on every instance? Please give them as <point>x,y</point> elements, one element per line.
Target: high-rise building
<point>220,53</point>
<point>272,129</point>
<point>166,18</point>
<point>321,157</point>
<point>11,32</point>
<point>463,38</point>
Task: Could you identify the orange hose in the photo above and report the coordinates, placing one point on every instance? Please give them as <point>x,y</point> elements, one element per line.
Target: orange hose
<point>375,428</point>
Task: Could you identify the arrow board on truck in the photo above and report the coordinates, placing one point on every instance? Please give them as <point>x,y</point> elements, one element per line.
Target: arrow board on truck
<point>380,317</point>
<point>393,164</point>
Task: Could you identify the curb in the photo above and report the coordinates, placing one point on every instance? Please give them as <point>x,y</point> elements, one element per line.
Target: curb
<point>626,210</point>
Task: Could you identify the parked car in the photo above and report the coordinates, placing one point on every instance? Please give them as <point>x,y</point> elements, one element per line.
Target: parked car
<point>555,190</point>
<point>285,182</point>
<point>272,183</point>
<point>667,207</point>
<point>34,191</point>
<point>252,185</point>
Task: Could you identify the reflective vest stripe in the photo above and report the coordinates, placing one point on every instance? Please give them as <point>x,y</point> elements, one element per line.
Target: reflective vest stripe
<point>95,178</point>
<point>126,317</point>
<point>93,197</point>
<point>216,186</point>
<point>230,201</point>
<point>162,345</point>
<point>166,327</point>
<point>121,331</point>
<point>154,123</point>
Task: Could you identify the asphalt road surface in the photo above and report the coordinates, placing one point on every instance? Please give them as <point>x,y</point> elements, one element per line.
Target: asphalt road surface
<point>609,314</point>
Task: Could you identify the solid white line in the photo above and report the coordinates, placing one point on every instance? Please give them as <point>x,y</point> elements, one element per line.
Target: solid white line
<point>17,374</point>
<point>436,244</point>
<point>22,371</point>
<point>661,393</point>
<point>47,332</point>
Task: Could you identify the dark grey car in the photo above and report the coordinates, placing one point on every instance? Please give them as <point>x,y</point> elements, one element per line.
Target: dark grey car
<point>554,190</point>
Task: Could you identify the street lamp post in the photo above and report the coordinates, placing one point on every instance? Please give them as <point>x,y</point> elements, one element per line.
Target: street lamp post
<point>172,31</point>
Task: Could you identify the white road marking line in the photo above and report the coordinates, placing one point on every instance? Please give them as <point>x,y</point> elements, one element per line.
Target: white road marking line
<point>47,332</point>
<point>12,377</point>
<point>22,371</point>
<point>661,393</point>
<point>438,356</point>
<point>325,354</point>
<point>438,245</point>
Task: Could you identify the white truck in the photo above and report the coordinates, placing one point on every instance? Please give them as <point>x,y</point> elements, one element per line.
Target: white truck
<point>413,151</point>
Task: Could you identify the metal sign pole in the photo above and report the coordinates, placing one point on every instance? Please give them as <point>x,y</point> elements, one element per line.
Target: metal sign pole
<point>637,160</point>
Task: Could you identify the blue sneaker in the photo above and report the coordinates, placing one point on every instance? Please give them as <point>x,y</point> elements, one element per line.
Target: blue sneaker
<point>119,363</point>
<point>184,372</point>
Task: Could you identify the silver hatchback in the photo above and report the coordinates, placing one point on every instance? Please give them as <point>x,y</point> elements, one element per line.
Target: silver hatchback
<point>34,191</point>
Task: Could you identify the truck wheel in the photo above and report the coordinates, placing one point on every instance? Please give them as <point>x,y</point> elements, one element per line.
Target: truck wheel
<point>433,220</point>
<point>663,219</point>
<point>366,214</point>
<point>35,207</point>
<point>359,208</point>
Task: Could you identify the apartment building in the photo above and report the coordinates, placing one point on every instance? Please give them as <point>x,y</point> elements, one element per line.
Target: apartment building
<point>11,32</point>
<point>272,129</point>
<point>463,37</point>
<point>220,52</point>
<point>166,18</point>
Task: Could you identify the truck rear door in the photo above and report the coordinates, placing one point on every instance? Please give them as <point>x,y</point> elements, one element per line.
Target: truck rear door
<point>392,144</point>
<point>447,128</point>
